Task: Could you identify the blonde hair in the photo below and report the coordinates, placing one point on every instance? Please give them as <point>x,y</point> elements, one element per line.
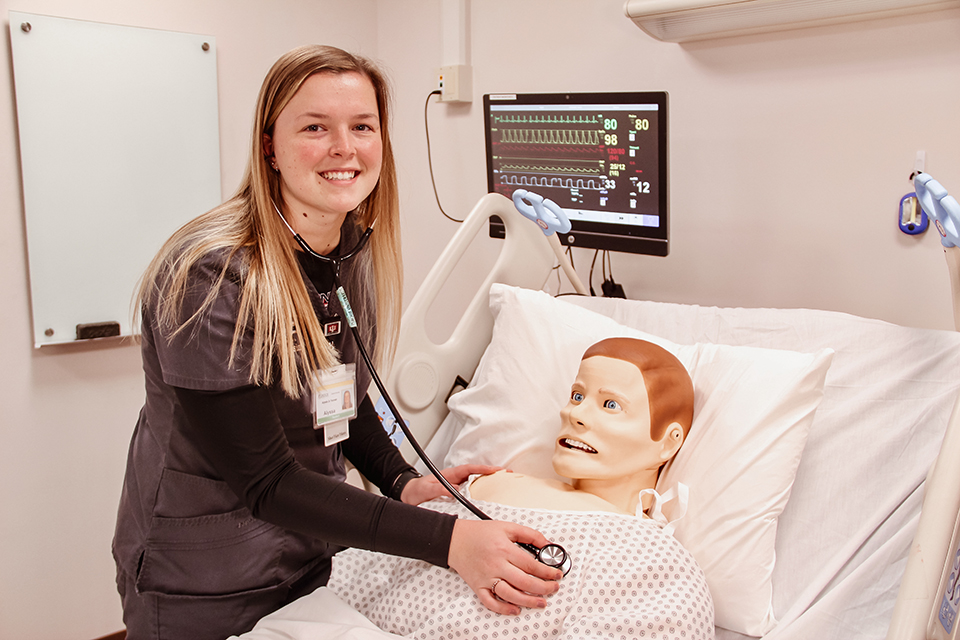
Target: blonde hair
<point>288,342</point>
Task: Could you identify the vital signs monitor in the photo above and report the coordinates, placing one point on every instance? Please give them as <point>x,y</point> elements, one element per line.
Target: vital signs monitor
<point>602,157</point>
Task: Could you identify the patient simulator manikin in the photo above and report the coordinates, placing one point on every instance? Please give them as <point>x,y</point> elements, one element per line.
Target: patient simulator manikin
<point>629,411</point>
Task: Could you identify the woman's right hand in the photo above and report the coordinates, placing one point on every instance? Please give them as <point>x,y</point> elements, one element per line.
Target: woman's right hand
<point>504,576</point>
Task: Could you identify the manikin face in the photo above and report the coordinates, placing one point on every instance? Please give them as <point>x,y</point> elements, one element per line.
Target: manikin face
<point>605,430</point>
<point>327,146</point>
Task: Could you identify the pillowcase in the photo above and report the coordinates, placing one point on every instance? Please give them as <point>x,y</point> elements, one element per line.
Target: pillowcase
<point>752,412</point>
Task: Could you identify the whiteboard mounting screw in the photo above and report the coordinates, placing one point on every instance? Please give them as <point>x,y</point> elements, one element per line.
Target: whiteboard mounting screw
<point>25,27</point>
<point>205,46</point>
<point>48,332</point>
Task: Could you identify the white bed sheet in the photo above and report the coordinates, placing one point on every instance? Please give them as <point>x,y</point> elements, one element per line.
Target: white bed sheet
<point>321,615</point>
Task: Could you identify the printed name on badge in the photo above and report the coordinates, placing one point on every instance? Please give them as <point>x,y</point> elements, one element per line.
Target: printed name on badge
<point>335,402</point>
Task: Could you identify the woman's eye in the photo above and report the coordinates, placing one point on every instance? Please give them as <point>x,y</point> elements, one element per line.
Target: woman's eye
<point>576,396</point>
<point>613,405</point>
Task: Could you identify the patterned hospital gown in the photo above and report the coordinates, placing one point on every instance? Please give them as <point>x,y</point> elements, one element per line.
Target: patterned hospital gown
<point>629,580</point>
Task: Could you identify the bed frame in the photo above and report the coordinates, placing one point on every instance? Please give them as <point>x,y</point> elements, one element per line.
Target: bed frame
<point>425,374</point>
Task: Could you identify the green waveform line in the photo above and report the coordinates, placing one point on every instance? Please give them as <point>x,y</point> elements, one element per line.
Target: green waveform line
<point>540,118</point>
<point>550,136</point>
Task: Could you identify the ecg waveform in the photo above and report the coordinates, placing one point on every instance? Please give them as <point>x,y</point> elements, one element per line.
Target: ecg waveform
<point>584,184</point>
<point>545,119</point>
<point>550,136</point>
<point>534,165</point>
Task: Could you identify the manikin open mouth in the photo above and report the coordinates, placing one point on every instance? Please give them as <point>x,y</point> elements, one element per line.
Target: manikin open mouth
<point>569,443</point>
<point>339,175</point>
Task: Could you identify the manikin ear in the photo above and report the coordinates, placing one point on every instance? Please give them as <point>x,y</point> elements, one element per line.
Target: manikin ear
<point>672,441</point>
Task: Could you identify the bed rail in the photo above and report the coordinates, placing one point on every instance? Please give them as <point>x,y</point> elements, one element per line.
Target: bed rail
<point>915,612</point>
<point>424,372</point>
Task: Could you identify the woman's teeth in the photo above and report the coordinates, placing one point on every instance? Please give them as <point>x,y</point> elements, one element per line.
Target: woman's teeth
<point>339,175</point>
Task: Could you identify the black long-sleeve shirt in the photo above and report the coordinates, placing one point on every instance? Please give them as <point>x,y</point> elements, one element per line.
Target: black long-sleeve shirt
<point>239,432</point>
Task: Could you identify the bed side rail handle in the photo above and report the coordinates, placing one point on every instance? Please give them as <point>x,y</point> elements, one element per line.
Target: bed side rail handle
<point>423,372</point>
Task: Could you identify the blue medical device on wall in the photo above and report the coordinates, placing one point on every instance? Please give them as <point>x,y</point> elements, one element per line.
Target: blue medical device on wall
<point>912,218</point>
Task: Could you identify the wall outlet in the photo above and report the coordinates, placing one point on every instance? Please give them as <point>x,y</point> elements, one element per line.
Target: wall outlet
<point>455,83</point>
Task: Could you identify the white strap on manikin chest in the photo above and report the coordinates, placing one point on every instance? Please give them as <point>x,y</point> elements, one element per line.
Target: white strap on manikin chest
<point>679,495</point>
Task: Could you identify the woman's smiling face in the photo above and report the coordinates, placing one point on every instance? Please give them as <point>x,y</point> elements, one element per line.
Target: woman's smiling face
<point>327,146</point>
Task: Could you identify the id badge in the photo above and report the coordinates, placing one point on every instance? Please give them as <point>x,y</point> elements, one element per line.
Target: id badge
<point>335,402</point>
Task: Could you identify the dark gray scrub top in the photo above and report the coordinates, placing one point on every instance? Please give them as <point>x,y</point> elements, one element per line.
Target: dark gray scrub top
<point>182,532</point>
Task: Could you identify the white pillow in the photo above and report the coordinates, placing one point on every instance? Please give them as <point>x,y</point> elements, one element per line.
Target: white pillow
<point>752,412</point>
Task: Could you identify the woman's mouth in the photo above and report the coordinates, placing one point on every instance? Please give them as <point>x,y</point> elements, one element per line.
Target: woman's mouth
<point>570,443</point>
<point>339,175</point>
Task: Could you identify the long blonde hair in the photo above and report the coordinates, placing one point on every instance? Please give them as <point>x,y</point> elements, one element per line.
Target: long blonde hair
<point>288,342</point>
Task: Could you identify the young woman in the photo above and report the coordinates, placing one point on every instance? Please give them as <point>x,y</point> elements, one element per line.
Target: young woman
<point>233,501</point>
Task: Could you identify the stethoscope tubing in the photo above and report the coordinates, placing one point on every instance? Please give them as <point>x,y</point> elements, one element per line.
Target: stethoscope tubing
<point>552,554</point>
<point>335,263</point>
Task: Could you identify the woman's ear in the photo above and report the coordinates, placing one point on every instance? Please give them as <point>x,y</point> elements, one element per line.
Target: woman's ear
<point>672,441</point>
<point>268,148</point>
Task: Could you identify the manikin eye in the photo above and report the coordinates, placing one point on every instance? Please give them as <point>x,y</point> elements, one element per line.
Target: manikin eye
<point>577,397</point>
<point>613,405</point>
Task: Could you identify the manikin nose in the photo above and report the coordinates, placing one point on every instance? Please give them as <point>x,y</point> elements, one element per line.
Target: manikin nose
<point>577,414</point>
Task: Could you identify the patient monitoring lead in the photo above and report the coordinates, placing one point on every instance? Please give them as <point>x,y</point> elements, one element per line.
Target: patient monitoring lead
<point>234,499</point>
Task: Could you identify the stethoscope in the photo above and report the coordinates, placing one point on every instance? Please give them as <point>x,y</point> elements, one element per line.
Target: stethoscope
<point>552,555</point>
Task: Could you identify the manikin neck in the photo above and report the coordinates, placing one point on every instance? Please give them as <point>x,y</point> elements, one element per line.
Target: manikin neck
<point>623,493</point>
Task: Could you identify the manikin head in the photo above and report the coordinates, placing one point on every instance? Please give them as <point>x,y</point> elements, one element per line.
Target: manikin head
<point>629,411</point>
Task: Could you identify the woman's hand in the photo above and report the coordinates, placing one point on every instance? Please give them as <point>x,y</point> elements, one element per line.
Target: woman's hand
<point>504,576</point>
<point>420,490</point>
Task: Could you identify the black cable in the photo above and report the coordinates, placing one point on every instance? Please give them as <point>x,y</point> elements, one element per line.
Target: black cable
<point>611,289</point>
<point>592,264</point>
<point>426,128</point>
<point>558,267</point>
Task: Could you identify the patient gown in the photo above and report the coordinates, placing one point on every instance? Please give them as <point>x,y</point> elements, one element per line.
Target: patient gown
<point>629,580</point>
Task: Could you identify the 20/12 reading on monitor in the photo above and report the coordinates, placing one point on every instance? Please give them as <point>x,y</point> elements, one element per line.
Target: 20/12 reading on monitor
<point>602,157</point>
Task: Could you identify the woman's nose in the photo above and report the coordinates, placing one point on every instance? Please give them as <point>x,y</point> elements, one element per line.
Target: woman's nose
<point>341,144</point>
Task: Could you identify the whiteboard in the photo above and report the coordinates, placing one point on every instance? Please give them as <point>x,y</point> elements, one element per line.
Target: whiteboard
<point>119,146</point>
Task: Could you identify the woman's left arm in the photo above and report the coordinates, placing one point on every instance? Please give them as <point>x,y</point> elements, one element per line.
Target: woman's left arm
<point>375,456</point>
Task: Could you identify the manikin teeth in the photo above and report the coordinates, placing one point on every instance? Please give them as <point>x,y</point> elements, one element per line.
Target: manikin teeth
<point>576,444</point>
<point>339,175</point>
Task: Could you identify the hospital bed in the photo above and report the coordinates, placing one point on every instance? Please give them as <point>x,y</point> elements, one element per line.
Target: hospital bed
<point>818,506</point>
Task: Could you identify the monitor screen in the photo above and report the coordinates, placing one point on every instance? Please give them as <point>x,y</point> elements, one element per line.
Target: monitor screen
<point>602,157</point>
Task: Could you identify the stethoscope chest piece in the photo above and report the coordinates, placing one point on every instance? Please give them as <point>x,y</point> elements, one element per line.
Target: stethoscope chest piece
<point>553,555</point>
